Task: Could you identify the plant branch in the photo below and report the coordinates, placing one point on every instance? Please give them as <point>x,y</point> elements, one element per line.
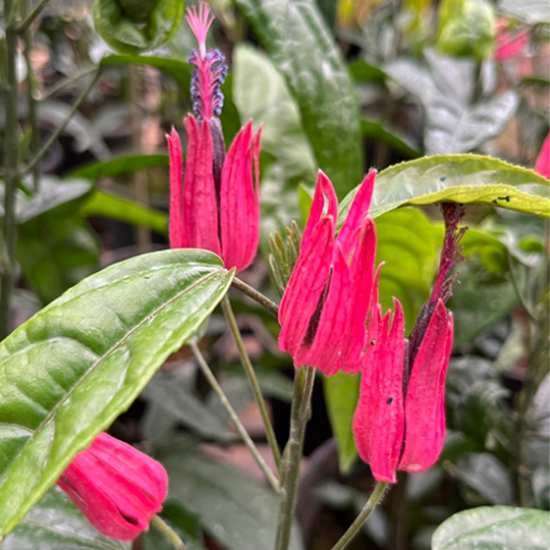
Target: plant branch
<point>374,499</point>
<point>300,412</point>
<point>66,81</point>
<point>63,125</point>
<point>255,295</point>
<point>207,371</point>
<point>249,369</point>
<point>519,293</point>
<point>27,22</point>
<point>168,532</point>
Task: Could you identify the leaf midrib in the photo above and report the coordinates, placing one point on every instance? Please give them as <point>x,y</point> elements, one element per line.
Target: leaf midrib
<point>111,350</point>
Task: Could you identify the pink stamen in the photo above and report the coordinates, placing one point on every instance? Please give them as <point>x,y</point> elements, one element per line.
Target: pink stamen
<point>200,23</point>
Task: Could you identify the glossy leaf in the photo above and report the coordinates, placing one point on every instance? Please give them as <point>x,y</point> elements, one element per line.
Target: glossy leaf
<point>407,245</point>
<point>55,523</point>
<point>69,371</point>
<point>109,205</point>
<point>458,178</point>
<point>123,164</point>
<point>233,508</point>
<point>494,528</point>
<point>444,86</point>
<point>319,80</point>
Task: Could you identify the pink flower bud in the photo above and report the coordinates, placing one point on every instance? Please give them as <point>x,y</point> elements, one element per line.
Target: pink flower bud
<point>542,164</point>
<point>118,488</point>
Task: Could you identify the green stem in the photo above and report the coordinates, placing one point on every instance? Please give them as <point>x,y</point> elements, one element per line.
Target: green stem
<point>374,499</point>
<point>249,369</point>
<point>67,81</point>
<point>31,99</point>
<point>300,412</point>
<point>207,371</point>
<point>27,22</point>
<point>519,293</point>
<point>10,173</point>
<point>62,126</point>
<point>168,532</point>
<point>255,295</point>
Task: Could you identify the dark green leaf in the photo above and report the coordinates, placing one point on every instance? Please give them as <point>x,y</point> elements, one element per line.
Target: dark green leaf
<point>233,508</point>
<point>361,71</point>
<point>494,528</point>
<point>458,178</point>
<point>69,371</point>
<point>374,129</point>
<point>55,523</point>
<point>124,164</point>
<point>109,205</point>
<point>318,78</point>
<point>55,253</point>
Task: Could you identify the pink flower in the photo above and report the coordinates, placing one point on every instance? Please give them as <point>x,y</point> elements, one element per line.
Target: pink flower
<point>510,44</point>
<point>325,305</point>
<point>542,165</point>
<point>118,488</point>
<point>218,207</point>
<point>399,423</point>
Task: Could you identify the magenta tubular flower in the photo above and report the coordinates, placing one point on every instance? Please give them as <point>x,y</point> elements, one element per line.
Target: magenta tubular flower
<point>118,488</point>
<point>217,207</point>
<point>542,164</point>
<point>324,309</point>
<point>510,44</point>
<point>399,423</point>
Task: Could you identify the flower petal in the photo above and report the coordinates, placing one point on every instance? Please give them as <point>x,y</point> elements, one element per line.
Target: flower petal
<point>542,166</point>
<point>176,183</point>
<point>424,404</point>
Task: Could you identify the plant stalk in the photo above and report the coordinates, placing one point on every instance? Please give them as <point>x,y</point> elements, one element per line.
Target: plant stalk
<point>27,22</point>
<point>249,369</point>
<point>299,416</point>
<point>11,176</point>
<point>168,532</point>
<point>374,499</point>
<point>207,371</point>
<point>256,296</point>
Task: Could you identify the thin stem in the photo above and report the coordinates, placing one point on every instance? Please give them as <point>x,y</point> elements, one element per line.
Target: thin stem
<point>300,412</point>
<point>59,130</point>
<point>207,371</point>
<point>374,499</point>
<point>168,532</point>
<point>67,81</point>
<point>255,295</point>
<point>519,293</point>
<point>27,22</point>
<point>249,369</point>
<point>11,137</point>
<point>31,99</point>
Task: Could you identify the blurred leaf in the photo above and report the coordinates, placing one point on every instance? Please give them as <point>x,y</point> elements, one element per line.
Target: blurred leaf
<point>123,164</point>
<point>61,195</point>
<point>530,11</point>
<point>134,26</point>
<point>173,394</point>
<point>109,205</point>
<point>494,528</point>
<point>319,80</point>
<point>233,508</point>
<point>376,130</point>
<point>487,476</point>
<point>406,243</point>
<point>361,71</point>
<point>55,253</point>
<point>70,370</point>
<point>444,86</point>
<point>457,178</point>
<point>55,523</point>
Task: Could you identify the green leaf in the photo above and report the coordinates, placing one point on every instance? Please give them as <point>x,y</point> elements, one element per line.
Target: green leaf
<point>458,178</point>
<point>361,71</point>
<point>109,205</point>
<point>233,508</point>
<point>375,129</point>
<point>444,86</point>
<point>318,78</point>
<point>494,528</point>
<point>407,245</point>
<point>55,523</point>
<point>123,164</point>
<point>69,371</point>
<point>56,252</point>
<point>530,11</point>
